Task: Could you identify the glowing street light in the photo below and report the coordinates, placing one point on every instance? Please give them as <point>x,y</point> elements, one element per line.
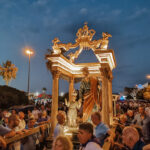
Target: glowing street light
<point>62,94</point>
<point>148,76</point>
<point>29,53</point>
<point>36,93</point>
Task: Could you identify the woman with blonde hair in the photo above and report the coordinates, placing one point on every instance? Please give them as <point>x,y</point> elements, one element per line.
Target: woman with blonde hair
<point>62,143</point>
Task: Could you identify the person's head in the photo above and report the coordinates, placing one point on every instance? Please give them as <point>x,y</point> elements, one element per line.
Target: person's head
<point>35,108</point>
<point>130,113</point>
<point>74,98</point>
<point>85,132</point>
<point>13,121</point>
<point>61,117</point>
<point>4,113</point>
<point>85,71</point>
<point>147,111</point>
<point>21,115</point>
<point>117,106</point>
<point>29,112</point>
<point>146,147</point>
<point>40,115</point>
<point>31,123</point>
<point>42,107</point>
<point>44,114</point>
<point>96,118</point>
<point>130,136</point>
<point>123,118</point>
<point>62,143</point>
<point>74,95</point>
<point>13,112</point>
<point>6,120</point>
<point>141,109</point>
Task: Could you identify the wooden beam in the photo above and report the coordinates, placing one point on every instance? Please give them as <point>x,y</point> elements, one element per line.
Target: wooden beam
<point>28,132</point>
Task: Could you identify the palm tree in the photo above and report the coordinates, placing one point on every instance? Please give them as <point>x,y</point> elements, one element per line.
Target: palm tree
<point>8,71</point>
<point>44,89</point>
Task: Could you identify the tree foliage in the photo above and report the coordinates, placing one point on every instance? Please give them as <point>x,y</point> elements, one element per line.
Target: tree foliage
<point>10,96</point>
<point>44,89</point>
<point>8,71</point>
<point>131,93</point>
<point>146,93</point>
<point>140,94</point>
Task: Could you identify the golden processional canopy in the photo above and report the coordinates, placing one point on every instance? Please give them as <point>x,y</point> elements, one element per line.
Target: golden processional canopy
<point>84,41</point>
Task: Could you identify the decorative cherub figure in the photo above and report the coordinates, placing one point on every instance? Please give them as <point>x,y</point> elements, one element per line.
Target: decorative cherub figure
<point>72,112</point>
<point>105,41</point>
<point>56,47</point>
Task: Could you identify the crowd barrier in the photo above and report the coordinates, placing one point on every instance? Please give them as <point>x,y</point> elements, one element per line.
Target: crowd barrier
<point>26,133</point>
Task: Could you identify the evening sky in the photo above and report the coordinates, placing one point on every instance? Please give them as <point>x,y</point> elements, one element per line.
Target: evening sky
<point>36,23</point>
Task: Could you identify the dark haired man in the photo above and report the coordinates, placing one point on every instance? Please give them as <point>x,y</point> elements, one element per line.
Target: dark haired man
<point>86,138</point>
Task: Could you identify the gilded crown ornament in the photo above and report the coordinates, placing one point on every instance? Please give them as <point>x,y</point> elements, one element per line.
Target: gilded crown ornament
<point>83,41</point>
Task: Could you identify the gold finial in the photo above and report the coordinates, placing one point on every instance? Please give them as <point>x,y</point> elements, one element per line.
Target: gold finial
<point>85,23</point>
<point>106,35</point>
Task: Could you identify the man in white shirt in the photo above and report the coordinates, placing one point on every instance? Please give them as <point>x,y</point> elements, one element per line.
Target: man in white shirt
<point>22,123</point>
<point>35,113</point>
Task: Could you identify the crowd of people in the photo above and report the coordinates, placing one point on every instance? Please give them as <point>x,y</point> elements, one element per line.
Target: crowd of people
<point>132,124</point>
<point>130,129</point>
<point>14,123</point>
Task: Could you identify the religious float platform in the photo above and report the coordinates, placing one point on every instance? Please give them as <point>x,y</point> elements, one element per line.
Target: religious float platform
<point>62,66</point>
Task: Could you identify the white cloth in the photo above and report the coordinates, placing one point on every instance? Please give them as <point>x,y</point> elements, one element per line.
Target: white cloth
<point>91,146</point>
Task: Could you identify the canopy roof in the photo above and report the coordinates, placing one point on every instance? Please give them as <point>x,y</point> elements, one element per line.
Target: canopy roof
<point>67,67</point>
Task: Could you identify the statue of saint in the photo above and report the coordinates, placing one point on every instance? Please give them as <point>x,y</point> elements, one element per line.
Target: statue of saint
<point>90,94</point>
<point>72,112</point>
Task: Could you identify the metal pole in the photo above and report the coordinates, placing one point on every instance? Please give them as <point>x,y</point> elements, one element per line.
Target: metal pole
<point>28,90</point>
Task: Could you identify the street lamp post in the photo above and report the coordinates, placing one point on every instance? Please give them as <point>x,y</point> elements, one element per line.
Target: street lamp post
<point>29,53</point>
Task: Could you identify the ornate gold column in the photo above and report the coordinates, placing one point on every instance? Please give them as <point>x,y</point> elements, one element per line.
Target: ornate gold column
<point>115,113</point>
<point>71,87</point>
<point>54,109</point>
<point>105,103</point>
<point>110,99</point>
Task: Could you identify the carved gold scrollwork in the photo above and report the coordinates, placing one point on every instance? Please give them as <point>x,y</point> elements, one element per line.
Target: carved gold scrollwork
<point>84,41</point>
<point>106,72</point>
<point>71,79</point>
<point>103,72</point>
<point>55,74</point>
